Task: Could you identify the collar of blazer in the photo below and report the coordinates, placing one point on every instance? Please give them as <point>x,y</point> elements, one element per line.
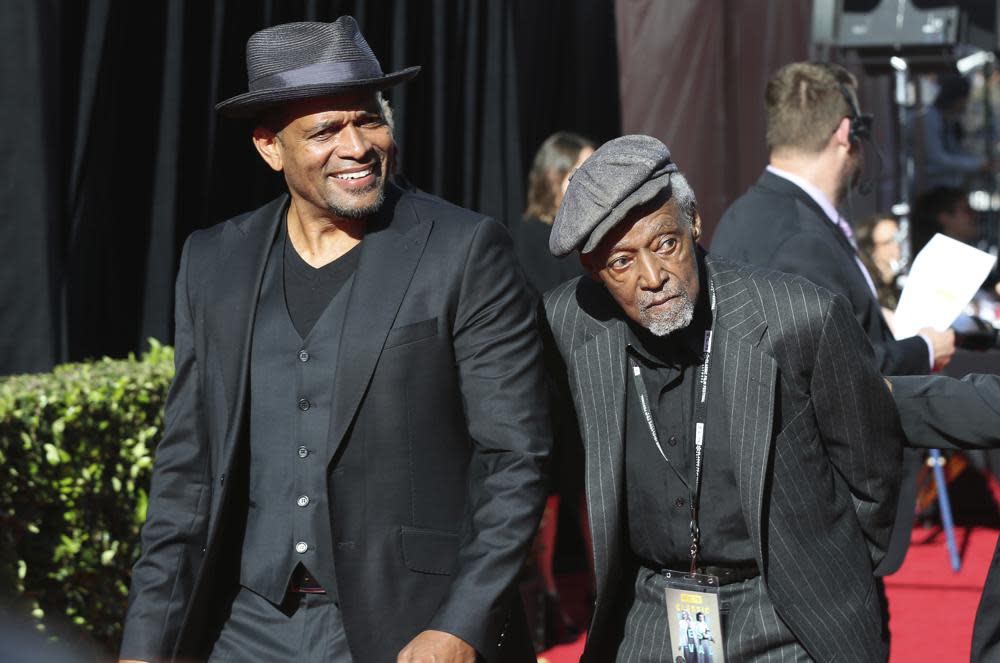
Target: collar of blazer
<point>390,252</point>
<point>743,420</point>
<point>781,186</point>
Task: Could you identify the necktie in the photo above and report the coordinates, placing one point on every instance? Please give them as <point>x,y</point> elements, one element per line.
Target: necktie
<point>845,228</point>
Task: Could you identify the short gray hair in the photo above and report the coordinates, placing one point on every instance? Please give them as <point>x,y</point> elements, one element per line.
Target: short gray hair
<point>386,109</point>
<point>683,196</point>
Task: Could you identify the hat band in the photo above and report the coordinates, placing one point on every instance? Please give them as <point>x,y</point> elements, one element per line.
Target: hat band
<point>319,73</point>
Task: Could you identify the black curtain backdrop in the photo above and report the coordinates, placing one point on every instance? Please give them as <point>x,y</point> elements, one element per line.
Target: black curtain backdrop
<point>113,153</point>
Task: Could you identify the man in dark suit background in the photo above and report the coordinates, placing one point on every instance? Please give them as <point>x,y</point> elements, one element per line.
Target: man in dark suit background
<point>801,442</point>
<point>789,221</point>
<point>352,463</point>
<point>945,413</point>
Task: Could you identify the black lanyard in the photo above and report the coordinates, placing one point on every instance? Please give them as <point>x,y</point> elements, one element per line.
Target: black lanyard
<point>700,410</point>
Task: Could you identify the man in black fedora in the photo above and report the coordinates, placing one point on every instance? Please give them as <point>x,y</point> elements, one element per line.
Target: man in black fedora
<point>352,461</point>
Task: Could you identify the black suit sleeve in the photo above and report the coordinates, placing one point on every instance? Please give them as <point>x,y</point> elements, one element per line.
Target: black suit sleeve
<point>178,498</point>
<point>806,255</point>
<point>858,424</point>
<point>498,352</point>
<point>942,412</point>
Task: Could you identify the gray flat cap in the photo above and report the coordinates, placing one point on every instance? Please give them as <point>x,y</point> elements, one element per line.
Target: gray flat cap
<point>621,174</point>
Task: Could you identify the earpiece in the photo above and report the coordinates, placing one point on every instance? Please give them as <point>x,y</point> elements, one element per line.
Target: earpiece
<point>861,129</point>
<point>861,123</point>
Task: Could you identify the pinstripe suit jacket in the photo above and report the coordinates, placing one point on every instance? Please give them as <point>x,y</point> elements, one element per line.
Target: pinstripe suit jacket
<point>814,438</point>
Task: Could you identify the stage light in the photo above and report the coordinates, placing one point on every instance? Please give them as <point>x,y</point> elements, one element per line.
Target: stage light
<point>970,62</point>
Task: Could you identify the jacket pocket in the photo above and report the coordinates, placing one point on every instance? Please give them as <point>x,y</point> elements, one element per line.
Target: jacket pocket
<point>410,333</point>
<point>429,550</point>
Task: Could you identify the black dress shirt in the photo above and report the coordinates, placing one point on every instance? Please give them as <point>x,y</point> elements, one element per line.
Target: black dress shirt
<point>659,492</point>
<point>309,290</point>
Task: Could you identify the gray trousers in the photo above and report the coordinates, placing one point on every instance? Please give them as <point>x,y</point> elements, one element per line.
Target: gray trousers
<point>304,628</point>
<point>751,628</point>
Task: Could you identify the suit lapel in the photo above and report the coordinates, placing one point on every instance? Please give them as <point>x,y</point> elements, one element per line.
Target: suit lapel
<point>241,271</point>
<point>390,253</point>
<point>745,416</point>
<point>598,372</point>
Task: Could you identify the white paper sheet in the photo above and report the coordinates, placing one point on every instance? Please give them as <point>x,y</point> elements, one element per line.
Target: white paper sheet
<point>943,279</point>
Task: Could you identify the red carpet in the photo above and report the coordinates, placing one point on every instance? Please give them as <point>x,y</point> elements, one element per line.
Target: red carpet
<point>931,608</point>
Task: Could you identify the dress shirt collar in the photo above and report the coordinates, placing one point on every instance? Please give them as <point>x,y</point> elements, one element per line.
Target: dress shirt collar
<point>812,191</point>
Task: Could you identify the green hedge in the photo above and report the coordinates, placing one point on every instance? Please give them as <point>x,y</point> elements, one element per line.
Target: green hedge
<point>75,458</point>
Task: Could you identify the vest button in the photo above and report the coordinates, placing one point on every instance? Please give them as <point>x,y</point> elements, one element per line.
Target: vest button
<point>301,547</point>
<point>304,404</point>
<point>303,356</point>
<point>672,440</point>
<point>303,500</point>
<point>680,502</point>
<point>303,452</point>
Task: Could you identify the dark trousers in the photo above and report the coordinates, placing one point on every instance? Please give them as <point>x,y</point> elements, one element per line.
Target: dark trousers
<point>752,629</point>
<point>305,627</point>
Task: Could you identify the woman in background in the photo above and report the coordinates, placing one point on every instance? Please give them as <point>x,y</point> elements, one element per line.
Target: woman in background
<point>556,160</point>
<point>881,253</point>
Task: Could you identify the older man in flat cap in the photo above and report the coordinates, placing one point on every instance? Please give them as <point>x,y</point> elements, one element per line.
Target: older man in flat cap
<point>741,448</point>
<point>352,462</point>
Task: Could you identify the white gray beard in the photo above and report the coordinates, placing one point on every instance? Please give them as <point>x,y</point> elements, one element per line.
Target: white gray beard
<point>667,322</point>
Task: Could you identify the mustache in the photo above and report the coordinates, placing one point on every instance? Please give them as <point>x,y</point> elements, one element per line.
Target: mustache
<point>650,298</point>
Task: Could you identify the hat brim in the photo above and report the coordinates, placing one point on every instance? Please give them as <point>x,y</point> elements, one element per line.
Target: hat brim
<point>648,191</point>
<point>250,104</point>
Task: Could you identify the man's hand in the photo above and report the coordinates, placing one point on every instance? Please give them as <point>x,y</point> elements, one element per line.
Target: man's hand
<point>437,647</point>
<point>943,344</point>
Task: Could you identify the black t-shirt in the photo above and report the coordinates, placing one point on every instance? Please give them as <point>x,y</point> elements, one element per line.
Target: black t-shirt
<point>309,290</point>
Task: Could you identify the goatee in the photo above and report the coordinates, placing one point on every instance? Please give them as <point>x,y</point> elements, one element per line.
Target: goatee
<point>677,315</point>
<point>359,212</point>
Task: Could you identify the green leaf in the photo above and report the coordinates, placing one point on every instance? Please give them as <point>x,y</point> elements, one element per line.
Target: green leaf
<point>51,453</point>
<point>73,494</point>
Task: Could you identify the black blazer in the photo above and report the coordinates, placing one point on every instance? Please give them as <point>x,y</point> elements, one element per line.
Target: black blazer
<point>776,224</point>
<point>945,413</point>
<point>439,435</point>
<point>814,438</point>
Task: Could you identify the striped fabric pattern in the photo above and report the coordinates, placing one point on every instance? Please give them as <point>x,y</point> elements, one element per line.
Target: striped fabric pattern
<point>813,435</point>
<point>753,631</point>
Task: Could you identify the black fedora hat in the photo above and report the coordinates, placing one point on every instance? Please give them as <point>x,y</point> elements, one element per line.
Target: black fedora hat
<point>306,60</point>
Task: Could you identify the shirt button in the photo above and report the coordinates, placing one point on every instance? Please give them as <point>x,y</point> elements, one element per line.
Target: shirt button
<point>680,502</point>
<point>303,452</point>
<point>303,356</point>
<point>301,547</point>
<point>672,440</point>
<point>304,404</point>
<point>303,500</point>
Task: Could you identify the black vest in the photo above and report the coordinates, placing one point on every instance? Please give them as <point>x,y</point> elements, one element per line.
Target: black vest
<point>291,400</point>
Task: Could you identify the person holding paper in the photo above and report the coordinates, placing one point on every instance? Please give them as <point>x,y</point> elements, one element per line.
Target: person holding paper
<point>789,220</point>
